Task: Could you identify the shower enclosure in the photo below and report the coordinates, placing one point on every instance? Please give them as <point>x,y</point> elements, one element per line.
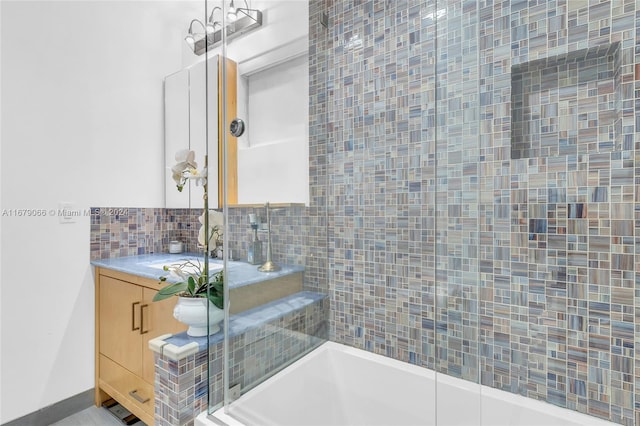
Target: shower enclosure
<point>472,192</point>
<point>253,62</point>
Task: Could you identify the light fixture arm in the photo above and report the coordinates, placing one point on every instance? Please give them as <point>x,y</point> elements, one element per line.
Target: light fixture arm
<point>211,21</point>
<point>244,10</point>
<point>189,38</point>
<point>212,12</point>
<point>191,25</point>
<point>211,24</point>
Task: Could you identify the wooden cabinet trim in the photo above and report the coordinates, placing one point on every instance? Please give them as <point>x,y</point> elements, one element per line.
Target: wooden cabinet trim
<point>228,103</point>
<point>134,279</point>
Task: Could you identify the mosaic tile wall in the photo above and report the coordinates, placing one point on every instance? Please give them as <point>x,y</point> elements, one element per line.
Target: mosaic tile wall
<point>289,238</point>
<point>567,104</point>
<point>317,260</point>
<point>181,386</point>
<point>128,231</point>
<point>118,232</point>
<point>494,156</point>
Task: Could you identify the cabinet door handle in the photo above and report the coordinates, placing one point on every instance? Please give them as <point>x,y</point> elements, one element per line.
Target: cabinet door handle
<point>134,395</point>
<point>142,330</point>
<point>133,316</point>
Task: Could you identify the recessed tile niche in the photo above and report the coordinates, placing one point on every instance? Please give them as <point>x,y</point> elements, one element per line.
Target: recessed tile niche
<point>567,104</point>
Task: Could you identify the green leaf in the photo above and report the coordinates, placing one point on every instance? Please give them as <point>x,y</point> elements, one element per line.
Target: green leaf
<point>202,291</point>
<point>191,287</point>
<point>202,281</point>
<point>170,290</point>
<point>216,300</point>
<point>218,287</point>
<point>159,296</point>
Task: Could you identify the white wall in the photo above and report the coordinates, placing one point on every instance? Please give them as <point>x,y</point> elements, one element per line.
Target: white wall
<point>82,121</point>
<point>273,154</point>
<point>273,162</point>
<point>272,166</point>
<point>1,206</point>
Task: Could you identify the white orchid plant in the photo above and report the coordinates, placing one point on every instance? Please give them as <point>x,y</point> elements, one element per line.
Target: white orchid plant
<point>193,278</point>
<point>215,229</point>
<point>186,169</point>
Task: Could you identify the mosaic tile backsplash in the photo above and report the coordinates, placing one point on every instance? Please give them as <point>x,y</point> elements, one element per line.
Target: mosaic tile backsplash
<point>481,188</point>
<point>128,231</point>
<point>118,232</point>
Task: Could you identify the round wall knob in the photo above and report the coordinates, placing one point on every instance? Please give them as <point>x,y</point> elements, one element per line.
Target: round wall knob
<point>237,127</point>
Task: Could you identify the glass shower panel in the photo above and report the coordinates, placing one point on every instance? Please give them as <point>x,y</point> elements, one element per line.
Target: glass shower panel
<point>471,193</point>
<point>457,204</point>
<point>275,239</point>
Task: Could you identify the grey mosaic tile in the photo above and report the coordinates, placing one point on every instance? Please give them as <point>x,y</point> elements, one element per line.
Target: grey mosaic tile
<point>566,104</point>
<point>183,389</point>
<point>517,211</point>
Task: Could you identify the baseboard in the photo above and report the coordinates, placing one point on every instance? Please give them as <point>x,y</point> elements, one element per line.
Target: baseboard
<point>55,412</point>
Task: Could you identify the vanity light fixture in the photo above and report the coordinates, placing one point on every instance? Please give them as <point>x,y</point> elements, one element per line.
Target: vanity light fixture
<point>211,24</point>
<point>241,21</point>
<point>191,41</point>
<point>231,14</point>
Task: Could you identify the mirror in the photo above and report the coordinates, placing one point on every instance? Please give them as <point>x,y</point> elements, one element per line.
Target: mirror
<point>185,120</point>
<point>272,87</point>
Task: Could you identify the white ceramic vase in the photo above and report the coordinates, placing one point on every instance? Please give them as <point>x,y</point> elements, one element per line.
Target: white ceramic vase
<point>193,312</point>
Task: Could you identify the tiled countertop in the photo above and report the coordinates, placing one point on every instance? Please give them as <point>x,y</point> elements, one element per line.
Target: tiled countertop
<point>150,266</point>
<point>239,274</point>
<point>180,345</point>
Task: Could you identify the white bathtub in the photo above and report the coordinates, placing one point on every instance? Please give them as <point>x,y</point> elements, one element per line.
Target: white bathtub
<point>340,385</point>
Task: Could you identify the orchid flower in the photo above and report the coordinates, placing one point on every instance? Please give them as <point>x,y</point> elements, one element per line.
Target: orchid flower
<point>215,228</point>
<point>215,218</point>
<point>187,158</point>
<point>200,177</point>
<point>187,168</point>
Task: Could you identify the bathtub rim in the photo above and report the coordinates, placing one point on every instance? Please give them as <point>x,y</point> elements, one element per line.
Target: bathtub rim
<point>220,416</point>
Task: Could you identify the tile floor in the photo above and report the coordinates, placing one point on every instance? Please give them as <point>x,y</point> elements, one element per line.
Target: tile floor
<point>92,416</point>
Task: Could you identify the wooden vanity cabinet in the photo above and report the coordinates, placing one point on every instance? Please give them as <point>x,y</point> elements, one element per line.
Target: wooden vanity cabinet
<point>126,319</point>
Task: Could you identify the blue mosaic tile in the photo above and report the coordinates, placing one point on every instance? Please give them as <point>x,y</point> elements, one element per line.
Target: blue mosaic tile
<point>522,237</point>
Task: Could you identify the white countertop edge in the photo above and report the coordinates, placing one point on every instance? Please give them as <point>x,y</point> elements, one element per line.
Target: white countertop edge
<point>171,351</point>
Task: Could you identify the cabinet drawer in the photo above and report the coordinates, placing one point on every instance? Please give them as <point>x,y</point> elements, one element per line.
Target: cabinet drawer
<point>128,389</point>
